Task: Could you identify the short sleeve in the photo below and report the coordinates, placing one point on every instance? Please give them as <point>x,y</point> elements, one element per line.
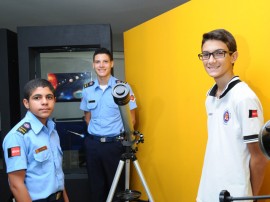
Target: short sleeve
<point>83,105</point>
<point>132,102</point>
<point>14,152</point>
<point>251,118</point>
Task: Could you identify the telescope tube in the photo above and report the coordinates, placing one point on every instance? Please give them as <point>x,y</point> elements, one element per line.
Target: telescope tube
<point>121,95</point>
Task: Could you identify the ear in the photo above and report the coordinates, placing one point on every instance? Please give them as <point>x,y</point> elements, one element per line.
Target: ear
<point>112,64</point>
<point>234,57</point>
<point>26,103</point>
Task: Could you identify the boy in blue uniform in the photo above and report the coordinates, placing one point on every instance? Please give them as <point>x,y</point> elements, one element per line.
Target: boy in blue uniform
<point>32,149</point>
<point>102,115</point>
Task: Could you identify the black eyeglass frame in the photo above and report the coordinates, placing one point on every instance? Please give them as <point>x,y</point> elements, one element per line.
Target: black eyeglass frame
<point>200,55</point>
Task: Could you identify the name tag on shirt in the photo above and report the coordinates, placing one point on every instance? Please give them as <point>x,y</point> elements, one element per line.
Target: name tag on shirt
<point>14,151</point>
<point>91,101</point>
<point>41,149</point>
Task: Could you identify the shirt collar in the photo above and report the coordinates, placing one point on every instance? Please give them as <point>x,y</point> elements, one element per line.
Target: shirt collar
<point>36,125</point>
<point>229,86</point>
<point>110,82</point>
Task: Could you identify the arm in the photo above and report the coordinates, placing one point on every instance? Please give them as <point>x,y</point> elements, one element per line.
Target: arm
<point>17,186</point>
<point>87,117</point>
<point>65,196</point>
<point>133,116</point>
<point>257,166</point>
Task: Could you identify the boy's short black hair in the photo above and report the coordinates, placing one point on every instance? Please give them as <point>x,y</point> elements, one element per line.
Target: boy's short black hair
<point>32,85</point>
<point>103,51</point>
<point>221,35</point>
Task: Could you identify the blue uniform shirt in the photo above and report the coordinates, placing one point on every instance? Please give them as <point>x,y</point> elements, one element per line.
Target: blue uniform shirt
<point>33,147</point>
<point>105,114</point>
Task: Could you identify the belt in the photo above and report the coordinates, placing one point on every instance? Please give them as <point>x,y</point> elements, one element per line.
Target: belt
<point>105,138</point>
<point>53,197</point>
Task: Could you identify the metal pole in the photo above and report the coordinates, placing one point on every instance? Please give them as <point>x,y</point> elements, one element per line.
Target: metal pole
<point>115,180</point>
<point>138,168</point>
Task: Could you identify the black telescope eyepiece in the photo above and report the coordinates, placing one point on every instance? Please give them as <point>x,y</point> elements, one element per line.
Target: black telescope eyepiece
<point>120,94</point>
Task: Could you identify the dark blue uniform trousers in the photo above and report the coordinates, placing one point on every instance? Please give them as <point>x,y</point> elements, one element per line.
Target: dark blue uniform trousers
<point>102,159</point>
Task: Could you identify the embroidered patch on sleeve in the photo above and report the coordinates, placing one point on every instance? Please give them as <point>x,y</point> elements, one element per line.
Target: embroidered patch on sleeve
<point>253,113</point>
<point>14,151</point>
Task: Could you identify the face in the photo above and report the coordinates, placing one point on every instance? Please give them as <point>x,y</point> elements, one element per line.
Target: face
<point>102,65</point>
<point>218,67</point>
<point>41,103</point>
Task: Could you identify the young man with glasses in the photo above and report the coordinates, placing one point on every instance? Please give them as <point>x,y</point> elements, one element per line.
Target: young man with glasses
<point>233,160</point>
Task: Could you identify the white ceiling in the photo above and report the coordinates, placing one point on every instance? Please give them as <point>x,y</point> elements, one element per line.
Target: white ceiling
<point>120,14</point>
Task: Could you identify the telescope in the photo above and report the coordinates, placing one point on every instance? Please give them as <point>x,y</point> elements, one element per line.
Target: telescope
<point>121,95</point>
<point>264,143</point>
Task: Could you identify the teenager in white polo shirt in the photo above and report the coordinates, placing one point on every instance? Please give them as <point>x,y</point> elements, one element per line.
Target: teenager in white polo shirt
<point>233,160</point>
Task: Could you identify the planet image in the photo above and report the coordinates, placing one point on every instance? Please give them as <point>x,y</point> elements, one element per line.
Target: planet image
<point>53,79</point>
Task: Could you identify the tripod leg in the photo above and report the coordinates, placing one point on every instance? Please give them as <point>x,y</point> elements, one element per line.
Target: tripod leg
<point>138,168</point>
<point>115,180</point>
<point>127,174</point>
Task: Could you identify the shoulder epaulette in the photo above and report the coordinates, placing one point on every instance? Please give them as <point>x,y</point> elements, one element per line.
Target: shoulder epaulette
<point>24,128</point>
<point>86,85</point>
<point>119,81</point>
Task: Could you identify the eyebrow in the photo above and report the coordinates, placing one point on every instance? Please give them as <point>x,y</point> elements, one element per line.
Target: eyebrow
<point>97,60</point>
<point>41,95</point>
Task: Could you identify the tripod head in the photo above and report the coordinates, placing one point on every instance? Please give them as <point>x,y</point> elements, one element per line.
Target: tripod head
<point>121,95</point>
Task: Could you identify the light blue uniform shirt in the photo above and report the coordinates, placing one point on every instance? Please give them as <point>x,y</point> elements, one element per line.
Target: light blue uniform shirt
<point>33,147</point>
<point>105,114</point>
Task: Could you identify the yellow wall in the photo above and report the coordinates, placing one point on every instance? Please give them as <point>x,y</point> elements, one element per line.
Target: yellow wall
<point>170,84</point>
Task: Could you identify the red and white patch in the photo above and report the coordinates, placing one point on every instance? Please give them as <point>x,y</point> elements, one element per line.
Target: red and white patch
<point>253,113</point>
<point>14,151</point>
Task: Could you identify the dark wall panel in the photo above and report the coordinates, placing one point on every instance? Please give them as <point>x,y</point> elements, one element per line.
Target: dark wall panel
<point>10,99</point>
<point>9,80</point>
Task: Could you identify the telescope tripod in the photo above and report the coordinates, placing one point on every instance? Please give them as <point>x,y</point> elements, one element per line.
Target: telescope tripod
<point>128,195</point>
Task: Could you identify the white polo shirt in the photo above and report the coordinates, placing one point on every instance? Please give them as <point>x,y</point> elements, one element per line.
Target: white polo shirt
<point>234,120</point>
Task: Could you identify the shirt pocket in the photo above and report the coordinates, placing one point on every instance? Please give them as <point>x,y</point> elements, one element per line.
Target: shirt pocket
<point>112,109</point>
<point>42,161</point>
<point>42,156</point>
<point>91,105</point>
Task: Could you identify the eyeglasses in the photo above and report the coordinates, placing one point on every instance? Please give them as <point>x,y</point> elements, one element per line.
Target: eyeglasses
<point>216,54</point>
